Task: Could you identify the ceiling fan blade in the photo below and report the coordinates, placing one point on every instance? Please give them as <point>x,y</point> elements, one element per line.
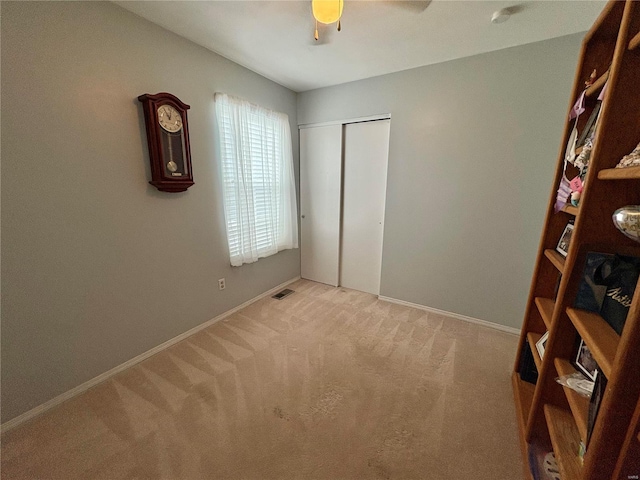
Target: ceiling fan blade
<point>416,6</point>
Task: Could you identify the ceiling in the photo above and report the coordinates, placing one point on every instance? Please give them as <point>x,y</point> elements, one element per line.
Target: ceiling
<point>275,38</point>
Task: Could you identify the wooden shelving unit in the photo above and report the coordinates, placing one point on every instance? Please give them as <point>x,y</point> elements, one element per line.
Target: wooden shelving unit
<point>631,173</point>
<point>565,439</point>
<point>595,89</point>
<point>522,396</point>
<point>551,415</point>
<point>570,209</point>
<point>545,307</point>
<point>556,259</point>
<point>634,42</point>
<point>533,339</point>
<point>601,339</point>
<point>578,404</point>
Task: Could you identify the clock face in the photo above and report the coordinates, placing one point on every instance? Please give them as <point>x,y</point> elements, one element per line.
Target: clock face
<point>169,118</point>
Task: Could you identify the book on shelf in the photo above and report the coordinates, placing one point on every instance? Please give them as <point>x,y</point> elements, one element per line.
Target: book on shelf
<point>527,369</point>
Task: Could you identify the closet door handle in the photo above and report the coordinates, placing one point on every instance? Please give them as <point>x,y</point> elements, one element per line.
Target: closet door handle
<point>302,216</point>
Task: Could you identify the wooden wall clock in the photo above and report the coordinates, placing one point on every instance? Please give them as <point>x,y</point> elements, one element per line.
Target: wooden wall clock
<point>165,117</point>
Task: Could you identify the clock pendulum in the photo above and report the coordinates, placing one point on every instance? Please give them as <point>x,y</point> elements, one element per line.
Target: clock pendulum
<point>171,165</point>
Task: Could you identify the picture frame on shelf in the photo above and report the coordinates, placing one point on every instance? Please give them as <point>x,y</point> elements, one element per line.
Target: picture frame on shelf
<point>541,344</point>
<point>600,384</point>
<point>565,240</point>
<point>585,362</point>
<point>590,126</point>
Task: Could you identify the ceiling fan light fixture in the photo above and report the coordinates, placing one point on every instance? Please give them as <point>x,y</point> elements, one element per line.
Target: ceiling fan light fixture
<point>327,11</point>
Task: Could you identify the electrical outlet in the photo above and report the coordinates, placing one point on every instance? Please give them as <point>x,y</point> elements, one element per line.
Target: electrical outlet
<point>221,284</point>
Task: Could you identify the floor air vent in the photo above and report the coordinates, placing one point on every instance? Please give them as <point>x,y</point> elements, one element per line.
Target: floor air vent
<point>280,295</point>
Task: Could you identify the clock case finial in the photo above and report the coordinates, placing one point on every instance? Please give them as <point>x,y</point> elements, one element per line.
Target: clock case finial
<point>156,135</point>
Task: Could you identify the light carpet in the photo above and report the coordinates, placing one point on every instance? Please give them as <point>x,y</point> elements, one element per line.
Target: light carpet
<point>328,383</point>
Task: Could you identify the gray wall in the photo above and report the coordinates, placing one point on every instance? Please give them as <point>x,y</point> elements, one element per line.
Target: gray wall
<point>472,156</point>
<point>97,265</point>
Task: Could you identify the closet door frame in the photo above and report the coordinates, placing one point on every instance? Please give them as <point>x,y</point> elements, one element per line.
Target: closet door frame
<point>342,123</point>
<point>370,118</point>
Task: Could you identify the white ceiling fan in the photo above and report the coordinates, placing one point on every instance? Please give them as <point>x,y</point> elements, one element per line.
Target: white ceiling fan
<point>327,12</point>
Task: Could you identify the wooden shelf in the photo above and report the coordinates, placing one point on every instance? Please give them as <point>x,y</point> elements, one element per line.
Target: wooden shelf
<point>533,339</point>
<point>629,173</point>
<point>601,339</point>
<point>565,440</point>
<point>571,210</point>
<point>523,397</point>
<point>523,393</point>
<point>595,89</point>
<point>545,307</point>
<point>579,405</point>
<point>555,258</point>
<point>634,42</point>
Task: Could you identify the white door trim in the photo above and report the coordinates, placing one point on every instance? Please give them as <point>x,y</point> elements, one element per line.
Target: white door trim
<point>380,116</point>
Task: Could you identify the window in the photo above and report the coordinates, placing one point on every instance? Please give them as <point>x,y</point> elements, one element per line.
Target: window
<point>257,174</point>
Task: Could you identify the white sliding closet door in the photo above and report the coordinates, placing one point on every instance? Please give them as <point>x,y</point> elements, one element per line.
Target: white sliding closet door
<point>366,154</point>
<point>320,181</point>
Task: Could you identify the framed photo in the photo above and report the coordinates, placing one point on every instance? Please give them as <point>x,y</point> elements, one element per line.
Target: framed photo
<point>565,240</point>
<point>585,362</point>
<point>590,126</point>
<point>594,403</point>
<point>541,344</point>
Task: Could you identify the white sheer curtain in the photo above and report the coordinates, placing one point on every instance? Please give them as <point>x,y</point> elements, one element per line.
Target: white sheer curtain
<point>258,183</point>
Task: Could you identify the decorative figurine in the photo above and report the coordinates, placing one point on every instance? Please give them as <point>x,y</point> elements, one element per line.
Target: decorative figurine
<point>627,220</point>
<point>575,198</point>
<point>576,186</point>
<point>631,160</point>
<point>581,162</point>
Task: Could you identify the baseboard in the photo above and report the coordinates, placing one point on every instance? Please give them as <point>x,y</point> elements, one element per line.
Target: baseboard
<point>34,412</point>
<point>495,326</point>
